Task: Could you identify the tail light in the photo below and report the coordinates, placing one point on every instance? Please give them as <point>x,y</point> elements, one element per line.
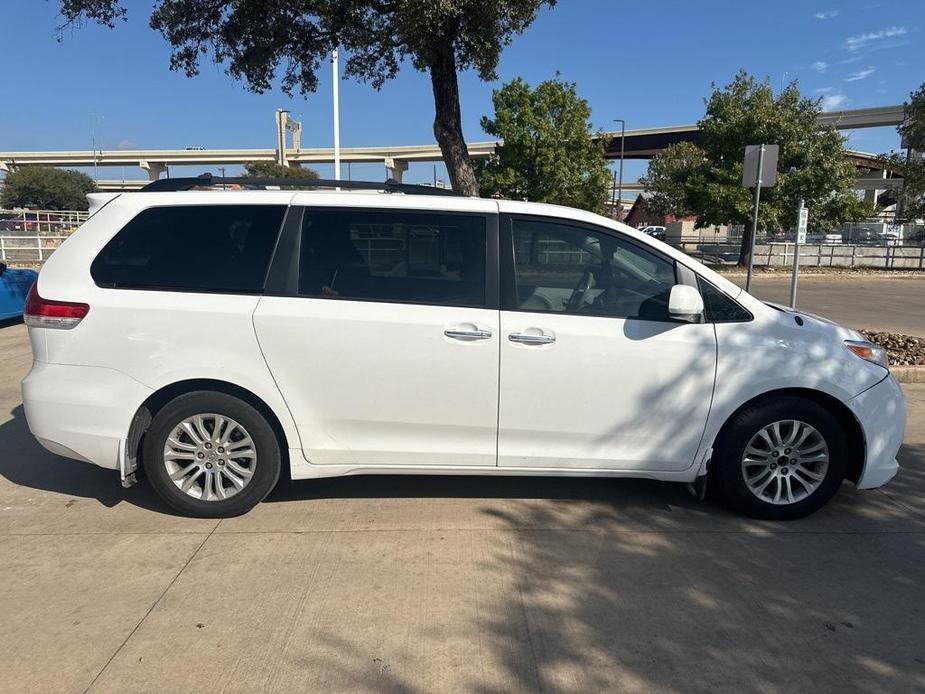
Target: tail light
<point>45,313</point>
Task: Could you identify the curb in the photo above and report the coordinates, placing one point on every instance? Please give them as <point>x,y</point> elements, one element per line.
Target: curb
<point>909,374</point>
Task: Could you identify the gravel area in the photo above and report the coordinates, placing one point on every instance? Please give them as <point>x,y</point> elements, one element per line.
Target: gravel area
<point>904,350</point>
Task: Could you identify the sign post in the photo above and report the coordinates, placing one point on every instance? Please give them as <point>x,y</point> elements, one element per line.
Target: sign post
<point>759,171</point>
<point>802,222</point>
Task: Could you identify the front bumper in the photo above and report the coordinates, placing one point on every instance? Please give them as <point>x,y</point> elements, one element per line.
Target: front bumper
<point>881,411</point>
<point>81,412</point>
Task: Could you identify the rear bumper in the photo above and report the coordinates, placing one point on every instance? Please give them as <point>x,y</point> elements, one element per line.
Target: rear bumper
<point>881,410</point>
<point>81,412</point>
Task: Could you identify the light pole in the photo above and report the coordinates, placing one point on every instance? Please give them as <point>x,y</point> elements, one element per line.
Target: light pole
<point>613,195</point>
<point>336,83</point>
<point>622,141</point>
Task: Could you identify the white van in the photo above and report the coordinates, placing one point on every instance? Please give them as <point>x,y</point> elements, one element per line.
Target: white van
<point>214,340</point>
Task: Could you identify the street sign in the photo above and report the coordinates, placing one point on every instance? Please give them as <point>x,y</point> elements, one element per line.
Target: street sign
<point>768,163</point>
<point>802,222</point>
<point>758,171</point>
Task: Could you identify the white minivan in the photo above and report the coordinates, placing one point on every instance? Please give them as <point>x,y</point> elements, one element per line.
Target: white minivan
<point>212,340</point>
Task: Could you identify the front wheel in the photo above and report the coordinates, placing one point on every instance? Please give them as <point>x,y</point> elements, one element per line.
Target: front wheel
<point>211,455</point>
<point>781,459</point>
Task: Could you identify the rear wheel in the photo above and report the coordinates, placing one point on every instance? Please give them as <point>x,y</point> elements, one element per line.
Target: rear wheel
<point>211,455</point>
<point>780,459</point>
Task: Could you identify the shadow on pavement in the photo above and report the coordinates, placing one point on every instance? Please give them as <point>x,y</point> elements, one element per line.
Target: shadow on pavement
<point>9,322</point>
<point>707,612</point>
<point>25,463</point>
<point>618,491</point>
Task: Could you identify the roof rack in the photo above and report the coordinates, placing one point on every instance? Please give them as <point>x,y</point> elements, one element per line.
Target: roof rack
<point>165,185</point>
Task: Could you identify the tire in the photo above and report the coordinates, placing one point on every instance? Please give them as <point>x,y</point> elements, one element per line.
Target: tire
<point>753,472</point>
<point>238,477</point>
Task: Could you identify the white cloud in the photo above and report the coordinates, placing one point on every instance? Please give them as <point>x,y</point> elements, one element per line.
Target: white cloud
<point>855,43</point>
<point>820,66</point>
<point>827,14</point>
<point>860,74</point>
<point>833,101</point>
<point>823,90</point>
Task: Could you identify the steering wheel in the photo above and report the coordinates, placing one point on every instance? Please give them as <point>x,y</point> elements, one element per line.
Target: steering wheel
<point>584,284</point>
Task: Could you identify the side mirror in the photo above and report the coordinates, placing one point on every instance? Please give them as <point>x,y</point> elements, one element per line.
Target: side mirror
<point>685,304</point>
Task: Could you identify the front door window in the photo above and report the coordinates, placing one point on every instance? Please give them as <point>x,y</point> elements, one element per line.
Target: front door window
<point>569,269</point>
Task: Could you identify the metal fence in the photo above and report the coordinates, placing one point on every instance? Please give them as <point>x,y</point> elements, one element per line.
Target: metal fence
<point>28,249</point>
<point>32,222</point>
<point>777,254</point>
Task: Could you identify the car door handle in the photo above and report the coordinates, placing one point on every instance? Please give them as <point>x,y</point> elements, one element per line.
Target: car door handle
<point>527,339</point>
<point>459,334</point>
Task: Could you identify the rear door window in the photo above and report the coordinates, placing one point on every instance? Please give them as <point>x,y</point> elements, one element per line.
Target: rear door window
<point>213,248</point>
<point>393,256</point>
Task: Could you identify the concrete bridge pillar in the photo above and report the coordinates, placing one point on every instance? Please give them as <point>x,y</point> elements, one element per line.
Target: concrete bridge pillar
<point>870,196</point>
<point>394,168</point>
<point>154,168</point>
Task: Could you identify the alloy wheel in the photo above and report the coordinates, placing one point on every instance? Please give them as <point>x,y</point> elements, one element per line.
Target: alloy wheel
<point>785,462</point>
<point>210,457</point>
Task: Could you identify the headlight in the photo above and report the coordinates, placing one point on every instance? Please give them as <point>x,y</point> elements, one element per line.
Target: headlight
<point>869,351</point>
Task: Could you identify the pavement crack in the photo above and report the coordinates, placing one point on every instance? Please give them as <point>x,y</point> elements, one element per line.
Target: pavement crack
<point>153,605</point>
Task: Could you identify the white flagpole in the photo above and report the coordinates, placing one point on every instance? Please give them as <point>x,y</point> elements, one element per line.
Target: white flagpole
<point>336,74</point>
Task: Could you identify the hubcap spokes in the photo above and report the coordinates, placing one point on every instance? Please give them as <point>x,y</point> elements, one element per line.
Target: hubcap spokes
<point>210,457</point>
<point>785,462</point>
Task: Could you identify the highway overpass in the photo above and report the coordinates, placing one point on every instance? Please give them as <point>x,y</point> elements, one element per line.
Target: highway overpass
<point>639,143</point>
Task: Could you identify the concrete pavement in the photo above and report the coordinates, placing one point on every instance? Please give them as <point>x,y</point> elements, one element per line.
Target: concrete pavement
<point>440,584</point>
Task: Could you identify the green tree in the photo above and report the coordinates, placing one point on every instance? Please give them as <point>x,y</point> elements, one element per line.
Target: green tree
<point>253,38</point>
<point>911,198</point>
<point>913,128</point>
<point>671,175</point>
<point>270,169</point>
<point>549,153</point>
<point>46,188</point>
<point>812,162</point>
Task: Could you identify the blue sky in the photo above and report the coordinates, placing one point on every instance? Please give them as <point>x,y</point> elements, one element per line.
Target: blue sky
<point>650,63</point>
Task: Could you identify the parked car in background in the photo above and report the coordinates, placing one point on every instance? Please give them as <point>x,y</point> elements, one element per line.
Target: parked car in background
<point>655,232</point>
<point>219,339</point>
<point>832,238</point>
<point>15,284</point>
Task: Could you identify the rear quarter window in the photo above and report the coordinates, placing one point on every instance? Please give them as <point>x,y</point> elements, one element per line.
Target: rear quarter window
<point>215,248</point>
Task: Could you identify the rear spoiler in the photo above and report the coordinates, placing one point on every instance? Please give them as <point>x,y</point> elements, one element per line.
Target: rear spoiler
<point>98,200</point>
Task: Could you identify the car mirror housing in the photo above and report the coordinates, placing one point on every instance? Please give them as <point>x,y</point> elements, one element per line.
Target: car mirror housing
<point>685,304</point>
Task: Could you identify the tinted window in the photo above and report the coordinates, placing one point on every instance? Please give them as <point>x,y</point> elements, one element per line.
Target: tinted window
<point>208,248</point>
<point>394,257</point>
<point>719,307</point>
<point>571,269</point>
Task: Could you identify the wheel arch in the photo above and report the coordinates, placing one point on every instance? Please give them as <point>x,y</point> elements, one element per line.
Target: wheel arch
<point>156,401</point>
<point>857,445</point>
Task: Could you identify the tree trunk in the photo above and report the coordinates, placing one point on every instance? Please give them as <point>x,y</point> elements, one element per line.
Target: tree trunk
<point>746,245</point>
<point>448,122</point>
